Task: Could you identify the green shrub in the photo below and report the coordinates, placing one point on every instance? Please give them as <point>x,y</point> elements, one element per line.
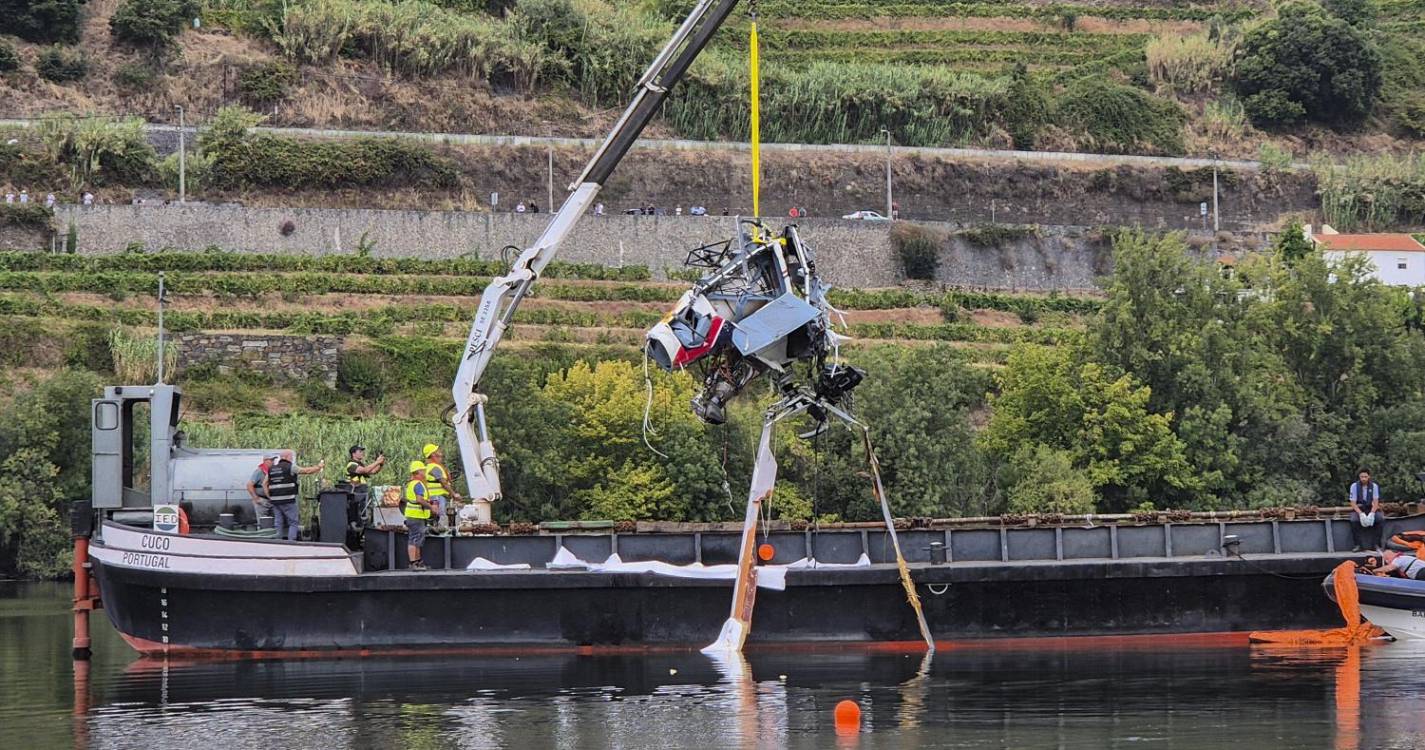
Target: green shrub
<point>240,158</point>
<point>99,150</point>
<point>362,374</point>
<point>42,20</point>
<point>28,216</point>
<point>1188,64</point>
<point>9,58</point>
<point>133,77</point>
<point>265,83</point>
<point>996,235</point>
<point>1111,117</point>
<point>1273,157</point>
<point>1307,65</point>
<point>918,249</point>
<point>61,65</point>
<point>151,23</point>
<point>1027,108</point>
<point>318,395</point>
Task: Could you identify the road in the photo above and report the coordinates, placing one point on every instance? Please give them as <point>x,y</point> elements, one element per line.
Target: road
<point>165,137</point>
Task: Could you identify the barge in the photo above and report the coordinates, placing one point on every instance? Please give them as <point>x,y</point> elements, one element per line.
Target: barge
<point>583,590</point>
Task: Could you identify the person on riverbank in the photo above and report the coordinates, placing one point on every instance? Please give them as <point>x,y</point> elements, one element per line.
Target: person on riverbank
<point>437,478</point>
<point>282,494</point>
<point>257,486</point>
<point>417,512</point>
<point>1366,519</point>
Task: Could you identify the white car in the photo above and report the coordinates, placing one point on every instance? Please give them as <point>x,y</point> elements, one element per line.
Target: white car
<point>865,216</point>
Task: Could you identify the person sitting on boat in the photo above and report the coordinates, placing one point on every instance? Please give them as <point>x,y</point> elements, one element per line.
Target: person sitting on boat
<point>1366,517</point>
<point>417,512</point>
<point>1405,566</point>
<point>282,493</point>
<point>437,478</point>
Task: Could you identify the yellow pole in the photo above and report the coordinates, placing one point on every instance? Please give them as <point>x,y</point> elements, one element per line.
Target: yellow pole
<point>756,124</point>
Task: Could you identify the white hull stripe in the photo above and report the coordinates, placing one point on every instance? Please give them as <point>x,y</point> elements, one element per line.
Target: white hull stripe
<point>235,566</point>
<point>132,539</point>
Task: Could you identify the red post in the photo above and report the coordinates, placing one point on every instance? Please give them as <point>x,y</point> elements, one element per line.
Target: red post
<point>83,598</point>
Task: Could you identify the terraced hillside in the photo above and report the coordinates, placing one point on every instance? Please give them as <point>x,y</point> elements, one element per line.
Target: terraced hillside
<point>1138,76</point>
<point>390,304</point>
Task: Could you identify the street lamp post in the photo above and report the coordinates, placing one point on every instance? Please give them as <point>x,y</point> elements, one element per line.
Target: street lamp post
<point>1216,225</point>
<point>182,161</point>
<point>890,203</point>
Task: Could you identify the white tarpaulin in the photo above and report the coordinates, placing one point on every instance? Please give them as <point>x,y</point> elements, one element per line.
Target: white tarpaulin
<point>481,563</point>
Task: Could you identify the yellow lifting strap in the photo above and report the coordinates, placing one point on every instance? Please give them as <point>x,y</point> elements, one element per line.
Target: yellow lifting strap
<point>756,74</point>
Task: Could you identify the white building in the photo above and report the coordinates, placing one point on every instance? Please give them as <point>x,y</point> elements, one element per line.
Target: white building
<point>1399,259</point>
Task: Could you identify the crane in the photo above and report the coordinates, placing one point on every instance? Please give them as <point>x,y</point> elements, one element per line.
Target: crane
<point>503,296</point>
<point>759,310</point>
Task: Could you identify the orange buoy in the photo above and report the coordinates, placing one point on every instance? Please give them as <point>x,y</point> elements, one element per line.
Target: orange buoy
<point>847,717</point>
<point>766,552</point>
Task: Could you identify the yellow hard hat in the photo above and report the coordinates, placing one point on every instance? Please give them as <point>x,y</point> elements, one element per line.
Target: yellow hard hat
<point>429,449</point>
<point>417,466</point>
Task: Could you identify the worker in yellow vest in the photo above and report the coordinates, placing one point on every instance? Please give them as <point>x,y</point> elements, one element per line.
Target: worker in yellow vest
<point>417,512</point>
<point>437,478</point>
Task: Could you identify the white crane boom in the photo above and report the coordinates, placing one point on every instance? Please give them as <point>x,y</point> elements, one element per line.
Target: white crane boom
<point>502,297</point>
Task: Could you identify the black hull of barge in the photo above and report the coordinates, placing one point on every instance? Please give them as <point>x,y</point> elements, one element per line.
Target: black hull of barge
<point>166,612</point>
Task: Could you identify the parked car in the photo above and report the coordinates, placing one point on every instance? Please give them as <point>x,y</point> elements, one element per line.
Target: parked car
<point>865,216</point>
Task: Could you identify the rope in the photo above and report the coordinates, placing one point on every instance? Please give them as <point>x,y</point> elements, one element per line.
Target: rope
<point>648,409</point>
<point>1282,576</point>
<point>911,596</point>
<point>756,74</point>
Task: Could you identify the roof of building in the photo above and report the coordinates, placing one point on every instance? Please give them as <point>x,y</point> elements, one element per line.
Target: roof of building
<point>1402,243</point>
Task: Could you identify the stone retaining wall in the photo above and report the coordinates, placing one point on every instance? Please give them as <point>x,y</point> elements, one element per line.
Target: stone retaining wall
<point>848,253</point>
<point>282,358</point>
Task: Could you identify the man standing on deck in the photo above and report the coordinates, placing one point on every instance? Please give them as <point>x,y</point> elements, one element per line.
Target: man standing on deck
<point>417,512</point>
<point>1366,519</point>
<point>257,486</point>
<point>437,478</point>
<point>282,492</point>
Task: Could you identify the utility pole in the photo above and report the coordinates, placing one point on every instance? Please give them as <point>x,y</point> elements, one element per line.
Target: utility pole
<point>890,203</point>
<point>550,144</point>
<point>1216,225</point>
<point>160,326</point>
<point>182,184</point>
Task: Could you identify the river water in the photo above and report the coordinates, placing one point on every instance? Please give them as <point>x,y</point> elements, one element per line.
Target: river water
<point>1104,695</point>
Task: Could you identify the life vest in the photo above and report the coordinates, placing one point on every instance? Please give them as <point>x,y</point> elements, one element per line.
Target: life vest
<point>434,474</point>
<point>353,477</point>
<point>282,483</point>
<point>414,509</point>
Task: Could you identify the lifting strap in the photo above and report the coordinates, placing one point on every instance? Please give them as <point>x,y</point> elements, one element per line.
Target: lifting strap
<point>756,75</point>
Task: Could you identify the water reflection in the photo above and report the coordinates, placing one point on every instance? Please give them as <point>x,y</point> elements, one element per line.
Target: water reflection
<point>1095,694</point>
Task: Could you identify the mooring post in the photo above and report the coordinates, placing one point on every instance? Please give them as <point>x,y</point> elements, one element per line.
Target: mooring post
<point>83,601</point>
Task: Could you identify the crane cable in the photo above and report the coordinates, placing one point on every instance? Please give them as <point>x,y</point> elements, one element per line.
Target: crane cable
<point>756,75</point>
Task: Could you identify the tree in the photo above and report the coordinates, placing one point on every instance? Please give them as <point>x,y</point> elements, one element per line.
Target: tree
<point>42,21</point>
<point>1307,65</point>
<point>151,23</point>
<point>46,466</point>
<point>1127,451</point>
<point>1292,244</point>
<point>1045,480</point>
<point>1354,12</point>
